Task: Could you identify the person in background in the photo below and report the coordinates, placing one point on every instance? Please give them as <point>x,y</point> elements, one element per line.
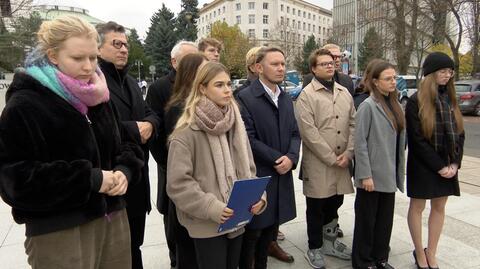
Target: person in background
<point>326,119</point>
<point>435,150</point>
<point>65,163</point>
<point>158,95</point>
<point>208,152</point>
<point>379,167</point>
<point>135,117</point>
<point>252,75</point>
<point>211,47</point>
<point>186,71</point>
<point>273,133</point>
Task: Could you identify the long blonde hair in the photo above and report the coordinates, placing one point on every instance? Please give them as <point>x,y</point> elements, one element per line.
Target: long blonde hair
<point>52,34</point>
<point>204,75</point>
<point>427,93</point>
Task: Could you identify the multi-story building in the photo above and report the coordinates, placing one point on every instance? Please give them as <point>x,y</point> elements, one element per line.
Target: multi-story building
<point>286,23</point>
<point>50,12</point>
<point>380,15</point>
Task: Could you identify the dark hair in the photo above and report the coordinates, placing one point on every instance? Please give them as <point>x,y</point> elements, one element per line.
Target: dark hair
<point>265,50</point>
<point>361,88</point>
<point>396,115</point>
<point>312,59</point>
<point>186,71</point>
<point>105,28</point>
<point>204,42</point>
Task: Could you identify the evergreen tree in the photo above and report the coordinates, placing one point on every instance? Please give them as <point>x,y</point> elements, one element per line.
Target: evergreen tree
<point>370,49</point>
<point>161,38</point>
<point>186,20</point>
<point>308,47</point>
<point>137,57</point>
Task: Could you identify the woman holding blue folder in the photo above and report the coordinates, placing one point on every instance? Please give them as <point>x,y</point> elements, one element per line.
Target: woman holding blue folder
<point>208,151</point>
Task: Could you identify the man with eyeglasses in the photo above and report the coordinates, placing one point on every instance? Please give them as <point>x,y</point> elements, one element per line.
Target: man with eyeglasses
<point>326,119</point>
<point>138,123</point>
<point>338,76</point>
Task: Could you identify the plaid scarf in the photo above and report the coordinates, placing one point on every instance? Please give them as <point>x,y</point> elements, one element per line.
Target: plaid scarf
<point>446,126</point>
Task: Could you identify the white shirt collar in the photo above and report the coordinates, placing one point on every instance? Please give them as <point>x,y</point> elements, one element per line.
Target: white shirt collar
<point>273,95</point>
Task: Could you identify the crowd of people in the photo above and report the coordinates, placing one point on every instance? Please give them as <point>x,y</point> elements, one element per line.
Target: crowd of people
<point>76,133</point>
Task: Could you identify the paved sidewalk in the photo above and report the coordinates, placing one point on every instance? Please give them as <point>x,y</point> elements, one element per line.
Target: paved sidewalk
<point>459,245</point>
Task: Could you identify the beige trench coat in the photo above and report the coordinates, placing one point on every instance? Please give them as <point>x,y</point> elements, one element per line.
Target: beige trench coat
<point>327,124</point>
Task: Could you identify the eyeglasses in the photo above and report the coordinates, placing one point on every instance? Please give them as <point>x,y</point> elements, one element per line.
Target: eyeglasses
<point>446,71</point>
<point>326,64</point>
<point>118,44</point>
<point>394,78</point>
<point>336,56</point>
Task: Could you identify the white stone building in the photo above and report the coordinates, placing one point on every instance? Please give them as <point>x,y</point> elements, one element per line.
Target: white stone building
<point>269,21</point>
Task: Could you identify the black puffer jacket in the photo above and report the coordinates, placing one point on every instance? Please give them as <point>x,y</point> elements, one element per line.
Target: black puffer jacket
<point>52,157</point>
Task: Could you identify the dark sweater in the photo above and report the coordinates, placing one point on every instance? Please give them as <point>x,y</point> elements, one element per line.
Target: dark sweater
<point>52,157</point>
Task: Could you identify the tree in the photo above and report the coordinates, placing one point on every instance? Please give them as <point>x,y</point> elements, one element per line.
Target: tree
<point>161,38</point>
<point>186,20</point>
<point>370,49</point>
<point>136,56</point>
<point>235,47</point>
<point>473,29</point>
<point>14,45</point>
<point>287,38</point>
<point>308,47</point>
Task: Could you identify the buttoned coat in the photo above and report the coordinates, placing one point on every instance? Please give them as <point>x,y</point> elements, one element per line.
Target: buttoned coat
<point>272,132</point>
<point>327,123</point>
<point>376,149</point>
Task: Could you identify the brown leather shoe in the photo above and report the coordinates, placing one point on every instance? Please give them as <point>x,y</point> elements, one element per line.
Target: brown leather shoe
<point>274,250</point>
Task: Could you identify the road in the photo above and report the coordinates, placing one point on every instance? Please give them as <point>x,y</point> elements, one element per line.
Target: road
<point>472,140</point>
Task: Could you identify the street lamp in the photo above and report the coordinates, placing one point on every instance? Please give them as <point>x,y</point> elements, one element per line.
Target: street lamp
<point>139,63</point>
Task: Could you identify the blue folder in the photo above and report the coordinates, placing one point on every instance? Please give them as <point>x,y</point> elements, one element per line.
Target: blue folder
<point>245,193</point>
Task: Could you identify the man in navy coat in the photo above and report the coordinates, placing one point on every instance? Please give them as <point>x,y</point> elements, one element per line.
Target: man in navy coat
<point>275,140</point>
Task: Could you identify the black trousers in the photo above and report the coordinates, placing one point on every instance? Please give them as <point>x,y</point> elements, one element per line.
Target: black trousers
<point>320,211</point>
<point>170,236</point>
<point>137,233</point>
<point>218,252</point>
<point>255,247</point>
<point>373,227</point>
<point>183,246</point>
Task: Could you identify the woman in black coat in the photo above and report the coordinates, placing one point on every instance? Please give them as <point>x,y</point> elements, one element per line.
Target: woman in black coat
<point>435,137</point>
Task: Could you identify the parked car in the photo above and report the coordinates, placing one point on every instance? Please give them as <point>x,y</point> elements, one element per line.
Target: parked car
<point>407,86</point>
<point>287,85</point>
<point>293,76</point>
<point>468,96</point>
<point>236,83</point>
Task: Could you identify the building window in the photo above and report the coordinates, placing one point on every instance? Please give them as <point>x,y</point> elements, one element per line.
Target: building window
<point>214,14</point>
<point>281,20</point>
<point>309,16</point>
<point>281,7</point>
<point>299,13</point>
<point>265,33</point>
<point>239,6</point>
<point>265,19</point>
<point>251,5</point>
<point>299,26</point>
<point>319,30</point>
<point>313,28</point>
<point>251,19</point>
<point>251,33</point>
<point>288,21</point>
<point>293,11</point>
<point>309,29</point>
<point>265,5</point>
<point>298,39</point>
<point>303,38</point>
<point>294,24</point>
<point>304,14</point>
<point>313,17</point>
<point>323,30</point>
<point>304,26</point>
<point>288,9</point>
<point>281,34</point>
<point>223,9</point>
<point>219,12</point>
<point>239,19</point>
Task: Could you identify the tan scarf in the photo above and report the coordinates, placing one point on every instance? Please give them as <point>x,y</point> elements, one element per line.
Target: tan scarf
<point>227,140</point>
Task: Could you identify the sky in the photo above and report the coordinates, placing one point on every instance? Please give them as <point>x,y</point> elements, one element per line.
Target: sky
<point>136,14</point>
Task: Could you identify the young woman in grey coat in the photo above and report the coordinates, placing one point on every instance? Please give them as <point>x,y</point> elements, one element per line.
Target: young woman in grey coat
<point>379,167</point>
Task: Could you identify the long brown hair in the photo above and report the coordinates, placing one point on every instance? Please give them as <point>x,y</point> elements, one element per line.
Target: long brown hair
<point>427,94</point>
<point>186,71</point>
<point>396,116</point>
<point>361,85</point>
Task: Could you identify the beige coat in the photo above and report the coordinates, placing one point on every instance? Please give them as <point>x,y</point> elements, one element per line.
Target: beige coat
<point>192,182</point>
<point>327,124</point>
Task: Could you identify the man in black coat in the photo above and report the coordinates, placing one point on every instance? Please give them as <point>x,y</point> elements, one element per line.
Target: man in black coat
<point>139,122</point>
<point>157,97</point>
<point>275,140</point>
